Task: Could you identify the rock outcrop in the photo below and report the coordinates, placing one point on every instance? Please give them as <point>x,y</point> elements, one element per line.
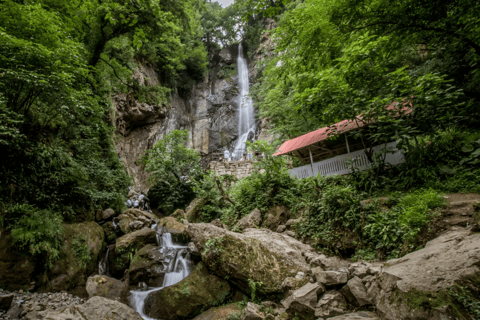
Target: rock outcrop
<point>276,216</point>
<point>106,287</point>
<point>16,267</point>
<point>302,302</point>
<point>69,271</point>
<point>256,255</point>
<point>252,220</point>
<point>188,298</point>
<point>125,248</point>
<point>412,287</point>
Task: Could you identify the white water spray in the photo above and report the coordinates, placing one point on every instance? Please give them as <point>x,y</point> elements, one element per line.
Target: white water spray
<point>179,269</point>
<point>246,115</point>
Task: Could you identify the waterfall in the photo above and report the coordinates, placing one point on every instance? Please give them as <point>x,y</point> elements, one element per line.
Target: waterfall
<point>178,269</point>
<point>103,265</point>
<point>246,115</point>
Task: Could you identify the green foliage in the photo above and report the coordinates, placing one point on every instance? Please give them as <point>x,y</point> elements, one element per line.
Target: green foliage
<point>465,297</point>
<point>254,286</point>
<point>338,59</point>
<point>211,246</point>
<point>82,252</point>
<point>38,231</point>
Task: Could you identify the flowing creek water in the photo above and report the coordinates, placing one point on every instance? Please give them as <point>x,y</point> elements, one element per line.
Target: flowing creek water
<point>177,269</point>
<point>246,116</point>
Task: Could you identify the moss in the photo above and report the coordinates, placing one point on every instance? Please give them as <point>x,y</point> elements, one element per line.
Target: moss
<point>417,299</point>
<point>249,259</point>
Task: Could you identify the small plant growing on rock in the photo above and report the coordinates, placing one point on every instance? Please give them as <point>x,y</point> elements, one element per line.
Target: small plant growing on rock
<point>82,252</point>
<point>211,244</point>
<point>254,285</point>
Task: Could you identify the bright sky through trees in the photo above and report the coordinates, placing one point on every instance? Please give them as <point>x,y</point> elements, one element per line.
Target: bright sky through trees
<point>225,3</point>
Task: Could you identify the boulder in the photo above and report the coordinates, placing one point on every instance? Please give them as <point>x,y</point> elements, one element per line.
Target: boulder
<point>6,301</point>
<point>105,214</point>
<point>136,225</point>
<point>192,248</point>
<point>171,225</point>
<point>251,220</point>
<point>16,267</point>
<point>191,212</point>
<point>326,263</point>
<point>106,287</point>
<point>252,312</point>
<point>230,311</point>
<point>150,264</point>
<point>94,309</point>
<point>302,302</point>
<point>362,315</point>
<point>252,255</point>
<point>405,293</point>
<point>188,298</point>
<point>217,223</point>
<point>110,232</point>
<point>179,214</point>
<point>125,248</point>
<point>70,269</point>
<point>130,215</point>
<point>276,216</point>
<point>355,292</point>
<point>281,228</point>
<point>292,222</point>
<point>331,304</point>
<point>329,278</point>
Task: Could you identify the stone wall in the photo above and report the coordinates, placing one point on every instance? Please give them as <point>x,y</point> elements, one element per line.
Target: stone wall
<point>239,169</point>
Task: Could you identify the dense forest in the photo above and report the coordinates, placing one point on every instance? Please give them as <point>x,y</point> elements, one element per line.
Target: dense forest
<point>318,62</point>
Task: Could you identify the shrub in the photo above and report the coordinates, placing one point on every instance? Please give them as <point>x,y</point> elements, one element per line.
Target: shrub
<point>40,231</point>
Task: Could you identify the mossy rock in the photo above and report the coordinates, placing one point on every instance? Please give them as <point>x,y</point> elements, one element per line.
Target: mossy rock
<point>191,212</point>
<point>171,225</point>
<point>230,311</point>
<point>125,249</point>
<point>248,261</point>
<point>275,216</point>
<point>150,264</point>
<point>71,269</point>
<point>188,298</point>
<point>16,267</point>
<point>107,287</point>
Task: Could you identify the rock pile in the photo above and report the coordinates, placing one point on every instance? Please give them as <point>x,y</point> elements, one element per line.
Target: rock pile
<point>22,303</point>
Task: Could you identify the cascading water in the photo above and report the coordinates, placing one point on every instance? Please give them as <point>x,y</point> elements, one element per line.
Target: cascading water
<point>177,270</point>
<point>103,264</point>
<point>246,116</point>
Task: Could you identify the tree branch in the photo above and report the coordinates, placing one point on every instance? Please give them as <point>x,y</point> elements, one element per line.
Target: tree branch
<point>224,195</point>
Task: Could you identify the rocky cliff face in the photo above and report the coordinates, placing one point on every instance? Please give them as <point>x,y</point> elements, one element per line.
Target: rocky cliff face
<point>209,114</point>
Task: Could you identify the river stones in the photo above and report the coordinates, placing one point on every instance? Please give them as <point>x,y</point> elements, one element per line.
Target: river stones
<point>94,309</point>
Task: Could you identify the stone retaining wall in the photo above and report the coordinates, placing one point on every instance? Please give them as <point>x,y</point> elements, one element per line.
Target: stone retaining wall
<point>239,169</point>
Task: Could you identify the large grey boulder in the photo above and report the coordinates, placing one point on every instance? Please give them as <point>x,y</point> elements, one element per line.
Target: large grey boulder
<point>331,304</point>
<point>326,263</point>
<point>362,315</point>
<point>125,248</point>
<point>356,292</point>
<point>252,312</point>
<point>103,286</point>
<point>252,220</point>
<point>302,302</point>
<point>259,255</point>
<point>329,278</point>
<point>449,259</point>
<point>105,214</point>
<point>94,309</point>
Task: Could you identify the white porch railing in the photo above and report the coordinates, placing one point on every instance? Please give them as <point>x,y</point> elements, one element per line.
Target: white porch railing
<point>338,165</point>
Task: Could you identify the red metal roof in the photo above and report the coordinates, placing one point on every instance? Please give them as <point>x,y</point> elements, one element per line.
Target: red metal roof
<point>326,132</point>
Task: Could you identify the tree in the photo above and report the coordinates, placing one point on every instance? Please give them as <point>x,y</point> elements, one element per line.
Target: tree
<point>171,160</point>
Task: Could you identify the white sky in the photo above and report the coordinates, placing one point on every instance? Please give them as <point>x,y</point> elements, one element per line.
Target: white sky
<point>225,3</point>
